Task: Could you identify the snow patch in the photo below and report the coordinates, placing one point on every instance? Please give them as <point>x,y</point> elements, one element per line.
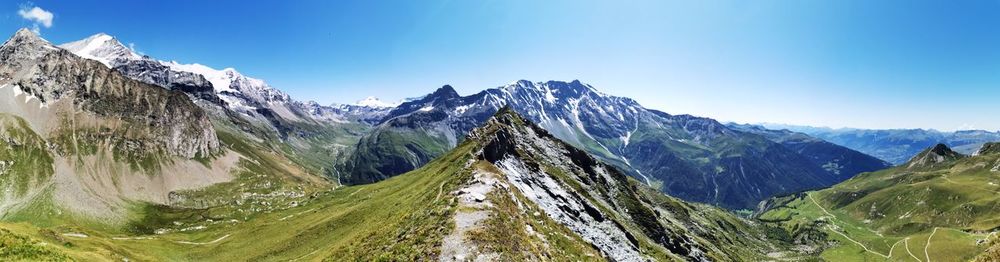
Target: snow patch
<point>101,48</point>
<point>372,101</point>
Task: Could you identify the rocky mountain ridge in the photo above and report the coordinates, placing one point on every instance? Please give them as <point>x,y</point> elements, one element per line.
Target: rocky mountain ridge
<point>163,120</point>
<point>697,159</point>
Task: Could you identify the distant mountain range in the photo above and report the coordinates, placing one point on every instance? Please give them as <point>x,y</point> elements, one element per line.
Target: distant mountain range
<point>896,145</point>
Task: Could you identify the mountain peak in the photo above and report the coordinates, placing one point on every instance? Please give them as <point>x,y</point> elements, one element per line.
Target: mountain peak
<point>937,154</point>
<point>522,82</point>
<point>101,47</point>
<point>28,44</point>
<point>25,32</point>
<point>24,35</point>
<point>941,149</point>
<point>505,118</point>
<point>372,101</point>
<point>445,91</point>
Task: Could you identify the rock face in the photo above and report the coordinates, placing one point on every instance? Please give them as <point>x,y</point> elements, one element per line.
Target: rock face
<point>113,54</point>
<point>157,120</point>
<point>989,148</point>
<point>933,156</point>
<point>612,212</point>
<point>694,158</point>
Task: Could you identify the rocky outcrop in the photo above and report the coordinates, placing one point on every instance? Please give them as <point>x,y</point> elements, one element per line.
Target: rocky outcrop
<point>933,156</point>
<point>618,216</point>
<point>152,72</point>
<point>528,156</point>
<point>155,119</point>
<point>989,148</point>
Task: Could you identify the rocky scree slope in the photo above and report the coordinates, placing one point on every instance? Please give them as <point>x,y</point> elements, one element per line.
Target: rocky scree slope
<point>530,179</point>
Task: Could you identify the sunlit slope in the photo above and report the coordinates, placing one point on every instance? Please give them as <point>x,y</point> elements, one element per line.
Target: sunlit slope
<point>509,192</point>
<point>942,202</point>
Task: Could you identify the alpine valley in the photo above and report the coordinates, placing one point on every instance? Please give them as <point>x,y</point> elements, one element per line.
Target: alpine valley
<point>107,154</point>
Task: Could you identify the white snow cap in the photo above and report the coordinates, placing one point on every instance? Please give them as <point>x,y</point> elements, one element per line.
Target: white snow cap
<point>372,101</point>
<point>100,47</point>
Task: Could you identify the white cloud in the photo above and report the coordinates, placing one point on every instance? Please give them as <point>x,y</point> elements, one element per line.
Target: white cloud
<point>37,16</point>
<point>967,126</point>
<point>134,49</point>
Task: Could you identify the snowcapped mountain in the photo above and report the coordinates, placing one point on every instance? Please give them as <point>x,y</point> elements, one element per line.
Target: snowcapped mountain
<point>96,139</point>
<point>372,101</point>
<point>58,77</point>
<point>228,87</point>
<point>241,93</point>
<point>101,47</point>
<point>690,157</point>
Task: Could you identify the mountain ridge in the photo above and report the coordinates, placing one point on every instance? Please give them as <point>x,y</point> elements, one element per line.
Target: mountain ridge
<point>686,155</point>
<point>897,146</point>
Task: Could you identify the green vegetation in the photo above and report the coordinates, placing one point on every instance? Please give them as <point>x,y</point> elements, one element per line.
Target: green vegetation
<point>16,247</point>
<point>24,161</point>
<point>402,218</point>
<point>388,151</point>
<point>947,209</point>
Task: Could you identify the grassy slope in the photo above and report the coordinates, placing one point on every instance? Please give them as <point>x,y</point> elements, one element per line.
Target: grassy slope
<point>24,161</point>
<point>402,218</point>
<point>901,207</point>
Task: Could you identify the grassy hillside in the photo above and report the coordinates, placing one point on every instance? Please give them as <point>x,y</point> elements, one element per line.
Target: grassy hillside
<point>402,218</point>
<point>24,161</point>
<point>948,209</point>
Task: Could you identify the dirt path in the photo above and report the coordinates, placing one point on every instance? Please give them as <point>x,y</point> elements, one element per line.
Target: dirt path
<point>907,245</point>
<point>472,211</point>
<point>306,255</point>
<point>440,188</point>
<point>203,243</point>
<point>926,254</point>
<point>845,235</point>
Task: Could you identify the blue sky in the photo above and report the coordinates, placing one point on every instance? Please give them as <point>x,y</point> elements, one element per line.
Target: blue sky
<point>868,64</point>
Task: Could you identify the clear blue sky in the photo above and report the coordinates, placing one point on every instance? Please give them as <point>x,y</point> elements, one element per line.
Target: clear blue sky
<point>869,64</point>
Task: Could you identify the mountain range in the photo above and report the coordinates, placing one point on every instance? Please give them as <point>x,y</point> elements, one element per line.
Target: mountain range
<point>694,158</point>
<point>112,155</point>
<point>897,145</point>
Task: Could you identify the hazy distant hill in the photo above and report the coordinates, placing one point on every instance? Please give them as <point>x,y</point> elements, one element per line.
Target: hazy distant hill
<point>896,145</point>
